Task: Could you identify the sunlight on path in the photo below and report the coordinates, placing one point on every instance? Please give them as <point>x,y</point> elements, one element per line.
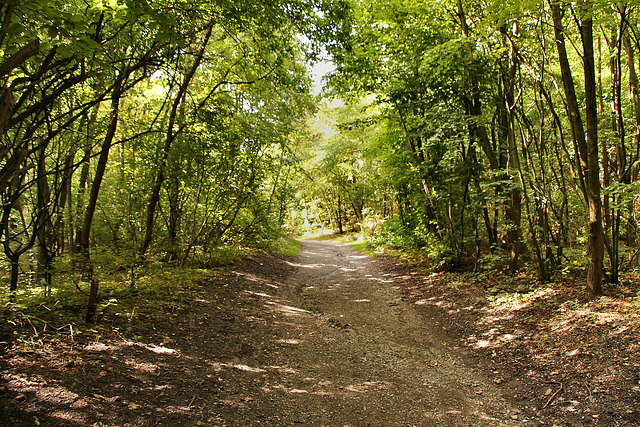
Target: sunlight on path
<point>361,356</point>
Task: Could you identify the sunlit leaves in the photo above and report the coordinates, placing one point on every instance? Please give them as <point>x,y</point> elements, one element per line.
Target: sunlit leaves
<point>247,96</point>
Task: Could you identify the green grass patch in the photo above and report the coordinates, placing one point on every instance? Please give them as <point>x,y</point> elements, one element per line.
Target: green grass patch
<point>129,298</point>
<point>223,255</point>
<point>363,247</point>
<point>409,257</point>
<point>360,246</point>
<point>322,236</point>
<point>286,246</point>
<point>157,292</point>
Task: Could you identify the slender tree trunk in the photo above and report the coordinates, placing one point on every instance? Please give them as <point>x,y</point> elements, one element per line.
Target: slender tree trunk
<point>99,175</point>
<point>514,209</point>
<point>93,301</point>
<point>339,214</point>
<point>632,227</point>
<point>596,235</point>
<point>587,143</point>
<point>75,242</point>
<point>87,270</point>
<point>80,202</point>
<point>170,137</point>
<point>44,225</point>
<point>14,254</point>
<point>15,274</point>
<point>612,216</point>
<point>175,213</point>
<point>64,222</point>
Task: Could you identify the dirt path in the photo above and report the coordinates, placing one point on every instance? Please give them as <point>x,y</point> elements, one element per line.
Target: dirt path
<point>358,355</point>
<point>361,356</point>
<point>323,339</point>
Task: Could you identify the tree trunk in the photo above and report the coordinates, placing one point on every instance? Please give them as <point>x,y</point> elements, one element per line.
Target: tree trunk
<point>514,209</point>
<point>75,243</point>
<point>171,135</point>
<point>15,272</point>
<point>339,215</point>
<point>64,221</point>
<point>635,96</point>
<point>175,213</point>
<point>596,235</point>
<point>612,216</point>
<point>99,175</point>
<point>93,300</point>
<point>587,145</point>
<point>44,225</point>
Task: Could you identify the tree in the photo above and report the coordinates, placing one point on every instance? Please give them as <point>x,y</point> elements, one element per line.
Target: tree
<point>586,140</point>
<point>492,74</point>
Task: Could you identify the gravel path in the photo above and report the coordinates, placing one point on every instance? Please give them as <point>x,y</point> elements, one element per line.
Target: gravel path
<point>352,353</point>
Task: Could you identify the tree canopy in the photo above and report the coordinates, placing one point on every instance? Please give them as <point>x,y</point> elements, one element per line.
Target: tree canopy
<point>132,126</point>
<point>467,130</point>
<point>501,129</point>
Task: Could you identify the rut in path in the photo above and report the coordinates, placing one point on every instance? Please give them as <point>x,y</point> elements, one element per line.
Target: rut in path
<point>352,353</point>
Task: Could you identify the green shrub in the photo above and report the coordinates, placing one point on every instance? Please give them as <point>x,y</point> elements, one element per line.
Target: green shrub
<point>417,242</point>
<point>394,233</point>
<point>285,246</point>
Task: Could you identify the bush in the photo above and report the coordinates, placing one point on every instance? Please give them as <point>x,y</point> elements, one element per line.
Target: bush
<point>419,240</point>
<point>394,233</point>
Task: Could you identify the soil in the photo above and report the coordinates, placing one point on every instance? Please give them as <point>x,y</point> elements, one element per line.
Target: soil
<point>333,338</point>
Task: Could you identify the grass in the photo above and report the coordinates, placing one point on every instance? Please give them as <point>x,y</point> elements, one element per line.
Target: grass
<point>129,298</point>
<point>286,246</point>
<point>364,248</point>
<point>158,293</point>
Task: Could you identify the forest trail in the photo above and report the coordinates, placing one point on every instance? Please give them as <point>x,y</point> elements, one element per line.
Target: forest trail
<point>357,355</point>
<point>321,339</point>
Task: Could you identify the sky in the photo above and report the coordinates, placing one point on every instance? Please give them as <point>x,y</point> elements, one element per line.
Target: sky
<point>320,123</point>
<point>318,71</point>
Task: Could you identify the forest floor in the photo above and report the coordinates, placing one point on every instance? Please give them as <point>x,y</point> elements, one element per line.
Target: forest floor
<point>333,338</point>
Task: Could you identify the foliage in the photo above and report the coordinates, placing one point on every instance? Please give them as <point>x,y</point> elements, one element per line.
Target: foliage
<point>170,131</point>
<point>417,242</point>
<point>158,131</point>
<point>37,312</point>
<point>285,246</point>
<point>483,126</point>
